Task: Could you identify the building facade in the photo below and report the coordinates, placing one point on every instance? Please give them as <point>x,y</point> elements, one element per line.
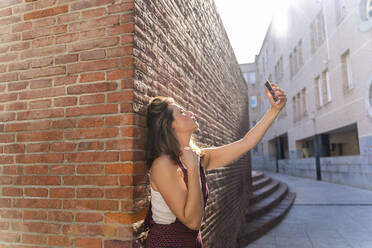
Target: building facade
<point>324,64</point>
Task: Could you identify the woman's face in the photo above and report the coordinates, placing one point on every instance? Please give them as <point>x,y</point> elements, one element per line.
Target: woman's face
<point>183,120</point>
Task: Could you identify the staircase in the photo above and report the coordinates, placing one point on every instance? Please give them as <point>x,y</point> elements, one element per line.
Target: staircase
<point>268,205</point>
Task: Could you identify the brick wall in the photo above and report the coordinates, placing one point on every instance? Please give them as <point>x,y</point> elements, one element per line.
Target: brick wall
<point>74,78</point>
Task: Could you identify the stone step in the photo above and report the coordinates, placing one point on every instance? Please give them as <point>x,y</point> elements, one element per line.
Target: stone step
<point>255,229</point>
<point>264,192</point>
<point>257,175</point>
<point>258,184</point>
<point>262,207</point>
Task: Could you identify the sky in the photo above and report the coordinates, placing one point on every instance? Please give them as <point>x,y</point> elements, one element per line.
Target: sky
<point>246,23</point>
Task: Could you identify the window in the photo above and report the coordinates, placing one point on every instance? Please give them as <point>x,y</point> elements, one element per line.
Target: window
<point>253,101</point>
<point>317,32</point>
<point>304,109</point>
<point>245,75</point>
<point>294,108</point>
<point>340,10</point>
<point>290,66</point>
<point>300,59</point>
<point>320,28</point>
<point>295,65</point>
<point>298,106</point>
<point>252,77</point>
<point>312,38</point>
<point>319,94</point>
<point>369,9</point>
<point>328,82</point>
<point>346,71</point>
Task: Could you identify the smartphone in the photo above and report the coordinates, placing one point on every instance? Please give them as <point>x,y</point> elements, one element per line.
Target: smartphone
<point>270,88</point>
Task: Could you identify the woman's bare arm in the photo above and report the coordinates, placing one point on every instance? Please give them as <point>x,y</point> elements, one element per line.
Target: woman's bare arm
<point>186,203</point>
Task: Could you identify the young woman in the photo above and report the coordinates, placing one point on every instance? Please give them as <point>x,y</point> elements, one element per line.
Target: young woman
<point>177,166</point>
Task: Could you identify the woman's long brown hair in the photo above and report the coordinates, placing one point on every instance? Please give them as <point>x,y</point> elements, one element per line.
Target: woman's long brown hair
<point>161,138</point>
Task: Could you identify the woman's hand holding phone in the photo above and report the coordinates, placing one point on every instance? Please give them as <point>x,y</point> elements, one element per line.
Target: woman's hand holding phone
<point>276,95</point>
<point>189,158</point>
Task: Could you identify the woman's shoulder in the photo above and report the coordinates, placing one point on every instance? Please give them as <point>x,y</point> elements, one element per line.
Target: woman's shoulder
<point>163,163</point>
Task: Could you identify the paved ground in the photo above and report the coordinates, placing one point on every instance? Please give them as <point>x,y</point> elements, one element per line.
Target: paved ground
<point>324,215</point>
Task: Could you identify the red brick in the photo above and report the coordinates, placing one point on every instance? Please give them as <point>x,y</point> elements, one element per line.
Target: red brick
<point>119,51</point>
<point>91,77</point>
<point>99,98</point>
<point>92,110</point>
<point>60,241</point>
<point>34,215</point>
<point>38,147</point>
<point>90,145</point>
<point>90,169</point>
<point>62,193</point>
<point>46,12</point>
<point>62,19</point>
<point>121,29</point>
<point>120,74</point>
<point>40,136</point>
<point>67,38</point>
<point>26,126</point>
<point>8,97</point>
<point>121,96</point>
<point>90,193</point>
<point>62,169</point>
<point>45,41</point>
<point>20,46</point>
<point>96,43</point>
<point>93,13</point>
<point>44,4</point>
<point>11,192</point>
<point>43,51</point>
<point>14,148</point>
<point>40,158</point>
<point>13,170</point>
<point>19,66</point>
<point>65,80</point>
<point>65,101</point>
<point>93,55</point>
<point>36,169</point>
<point>6,12</point>
<point>90,24</point>
<point>10,236</point>
<point>92,157</point>
<point>7,77</point>
<point>36,192</point>
<point>19,27</point>
<point>92,66</point>
<point>89,3</point>
<point>32,34</point>
<point>92,133</point>
<point>52,92</point>
<point>40,83</point>
<point>120,7</point>
<point>8,57</point>
<point>60,216</point>
<point>22,8</point>
<point>40,227</point>
<point>44,22</point>
<point>90,34</point>
<point>68,58</point>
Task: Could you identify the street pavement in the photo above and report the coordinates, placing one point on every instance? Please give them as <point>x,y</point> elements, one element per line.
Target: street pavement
<point>324,215</point>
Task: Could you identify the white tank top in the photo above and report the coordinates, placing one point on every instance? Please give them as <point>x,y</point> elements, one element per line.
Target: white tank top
<point>161,213</point>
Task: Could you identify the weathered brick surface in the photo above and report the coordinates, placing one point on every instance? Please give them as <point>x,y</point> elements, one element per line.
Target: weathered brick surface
<point>74,79</point>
